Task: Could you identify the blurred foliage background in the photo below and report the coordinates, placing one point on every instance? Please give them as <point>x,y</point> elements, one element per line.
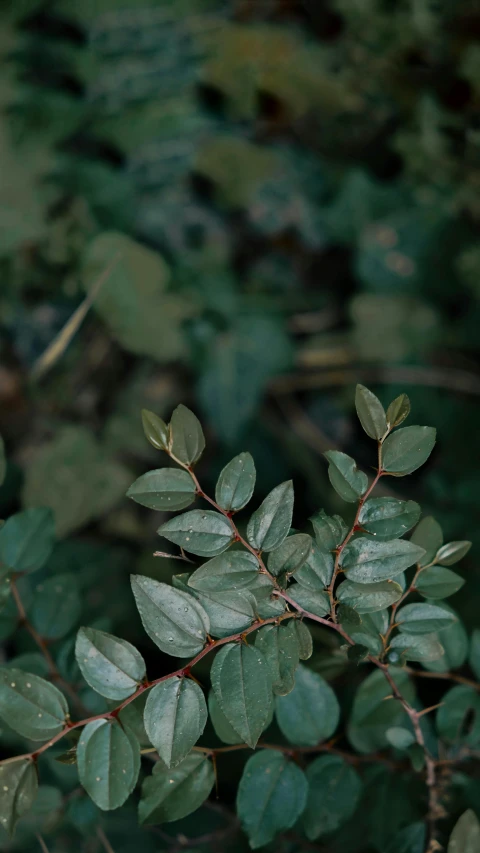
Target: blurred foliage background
<point>286,197</point>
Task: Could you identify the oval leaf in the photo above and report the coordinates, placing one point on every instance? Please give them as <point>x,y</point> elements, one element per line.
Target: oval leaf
<point>175,622</point>
<point>108,761</point>
<point>27,539</point>
<point>304,639</point>
<point>316,572</point>
<point>388,518</point>
<point>451,553</point>
<point>156,430</point>
<point>310,713</point>
<point>406,450</point>
<point>18,790</point>
<point>165,489</point>
<point>330,530</point>
<point>235,570</point>
<point>346,479</point>
<point>428,535</point>
<point>333,794</point>
<point>56,607</point>
<point>171,794</point>
<point>223,729</point>
<point>270,523</point>
<point>175,717</point>
<point>369,597</point>
<point>437,582</point>
<point>271,796</point>
<point>423,618</point>
<point>371,413</point>
<point>241,681</point>
<point>310,600</point>
<point>187,441</point>
<point>367,561</point>
<point>280,648</point>
<point>236,483</point>
<point>372,716</point>
<point>205,533</point>
<point>290,555</point>
<point>111,666</point>
<point>424,647</point>
<point>398,410</point>
<point>32,706</point>
<point>228,611</point>
<point>465,837</point>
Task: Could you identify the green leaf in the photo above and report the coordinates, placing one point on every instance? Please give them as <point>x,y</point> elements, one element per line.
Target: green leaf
<point>310,713</point>
<point>411,839</point>
<point>428,535</point>
<point>474,656</point>
<point>399,737</point>
<point>348,616</point>
<point>171,794</point>
<point>304,640</point>
<point>236,483</point>
<point>111,666</point>
<point>371,413</point>
<point>175,622</point>
<point>18,789</point>
<point>202,532</point>
<point>228,611</point>
<point>175,717</point>
<point>3,461</point>
<point>56,606</point>
<point>108,761</point>
<point>186,436</point>
<point>373,714</point>
<point>421,647</point>
<point>271,796</point>
<point>398,410</point>
<point>388,518</point>
<point>156,430</point>
<point>423,618</point>
<point>134,302</point>
<point>458,718</point>
<point>406,450</point>
<point>30,705</point>
<point>279,646</point>
<point>312,600</point>
<point>165,488</point>
<point>454,641</point>
<point>27,540</point>
<point>465,837</point>
<point>437,582</point>
<point>369,597</point>
<point>223,729</point>
<point>333,794</point>
<point>330,530</point>
<point>235,570</point>
<point>358,653</point>
<point>451,553</point>
<point>270,523</point>
<point>267,605</point>
<point>290,555</point>
<point>366,561</point>
<point>316,572</point>
<point>241,680</point>
<point>132,717</point>
<point>346,479</point>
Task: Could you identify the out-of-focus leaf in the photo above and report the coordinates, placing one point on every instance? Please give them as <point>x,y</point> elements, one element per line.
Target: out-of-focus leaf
<point>31,705</point>
<point>437,582</point>
<point>56,606</point>
<point>428,535</point>
<point>465,837</point>
<point>271,796</point>
<point>27,540</point>
<point>170,794</point>
<point>333,793</point>
<point>293,712</point>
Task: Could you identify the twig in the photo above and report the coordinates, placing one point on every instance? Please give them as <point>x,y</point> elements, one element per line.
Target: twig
<point>446,676</point>
<point>304,750</point>
<point>42,843</point>
<point>42,645</point>
<point>60,343</point>
<point>168,556</point>
<point>450,378</point>
<point>104,840</point>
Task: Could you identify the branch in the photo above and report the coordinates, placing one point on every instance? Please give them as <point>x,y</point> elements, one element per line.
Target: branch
<point>305,750</point>
<point>42,645</point>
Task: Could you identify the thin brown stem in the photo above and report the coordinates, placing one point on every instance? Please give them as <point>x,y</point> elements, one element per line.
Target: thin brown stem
<point>303,750</point>
<point>42,645</point>
<point>179,673</point>
<point>104,841</point>
<point>42,843</point>
<point>445,676</point>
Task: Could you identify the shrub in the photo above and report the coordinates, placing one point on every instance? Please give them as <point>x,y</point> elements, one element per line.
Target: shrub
<point>373,772</point>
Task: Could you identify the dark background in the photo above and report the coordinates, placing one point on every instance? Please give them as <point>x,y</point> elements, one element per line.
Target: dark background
<point>307,177</point>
